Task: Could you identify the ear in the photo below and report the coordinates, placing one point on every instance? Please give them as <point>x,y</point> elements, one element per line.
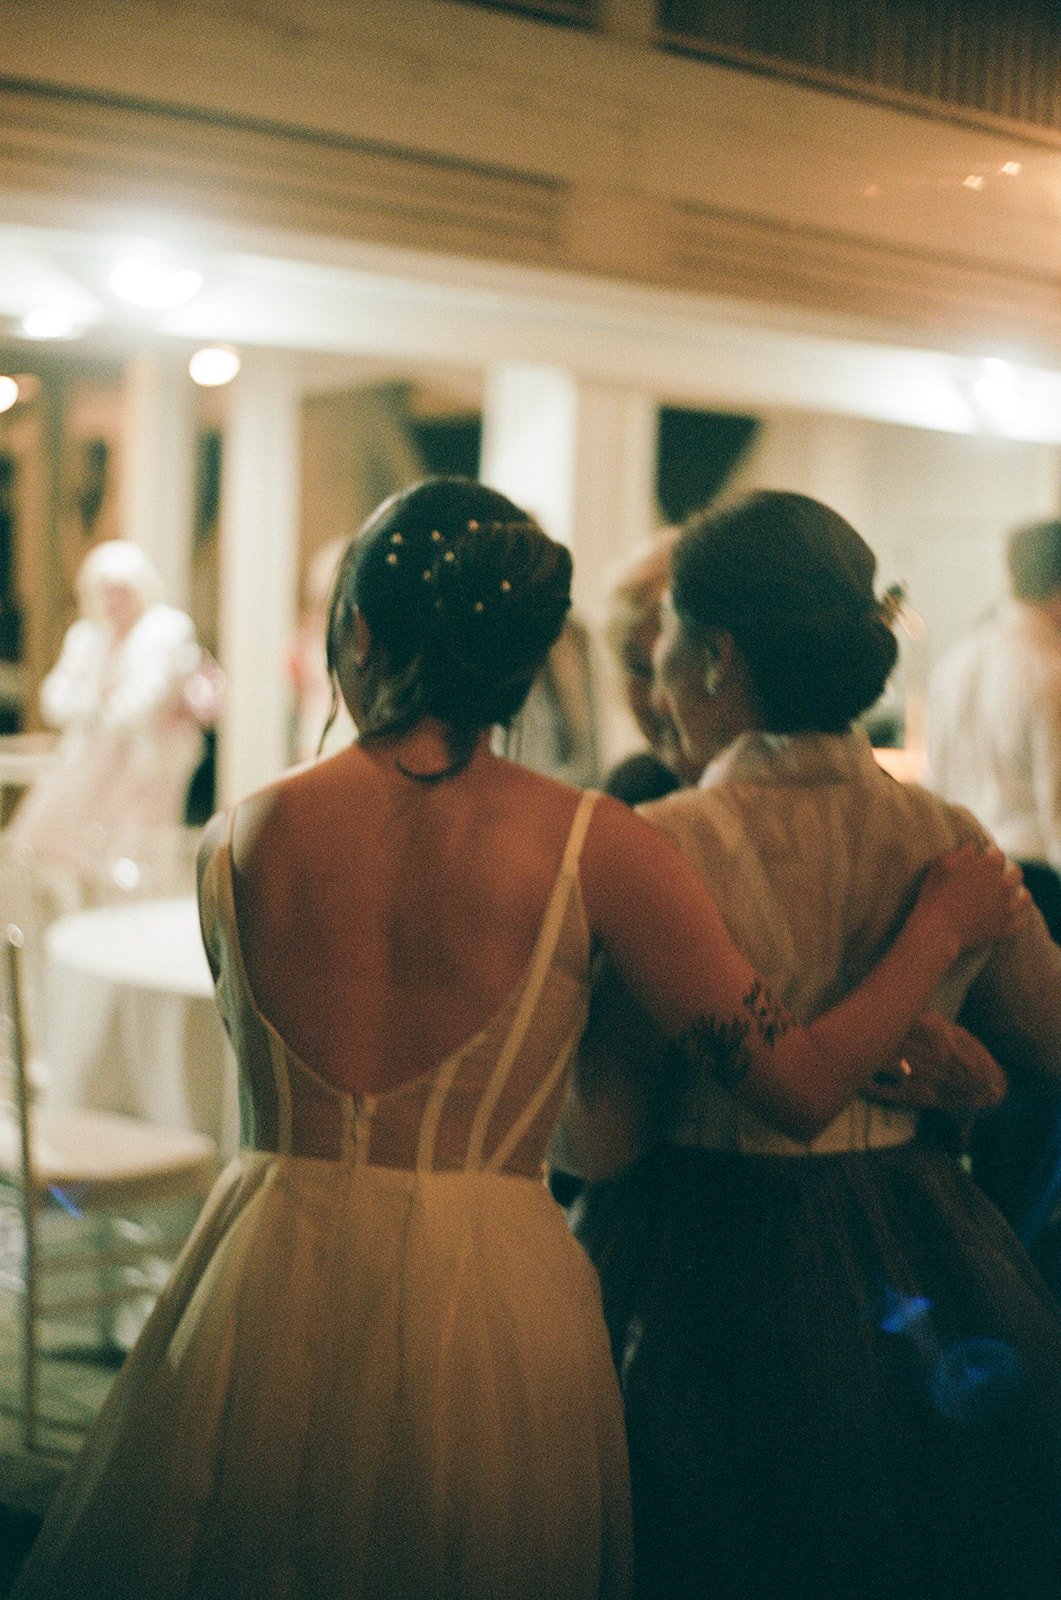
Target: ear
<point>718,654</point>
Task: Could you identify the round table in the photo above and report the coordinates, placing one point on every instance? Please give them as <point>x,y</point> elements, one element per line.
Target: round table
<point>130,1021</point>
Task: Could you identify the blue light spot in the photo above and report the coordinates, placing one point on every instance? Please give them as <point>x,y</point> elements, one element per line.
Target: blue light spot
<point>904,1312</point>
<point>65,1201</point>
<point>975,1380</point>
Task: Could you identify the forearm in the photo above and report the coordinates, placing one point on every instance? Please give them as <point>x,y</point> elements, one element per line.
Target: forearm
<point>806,1077</point>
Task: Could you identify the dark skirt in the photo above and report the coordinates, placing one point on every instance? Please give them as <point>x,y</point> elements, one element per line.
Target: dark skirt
<point>842,1379</point>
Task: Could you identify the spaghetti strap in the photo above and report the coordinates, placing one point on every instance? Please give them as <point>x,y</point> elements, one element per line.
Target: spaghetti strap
<point>579,828</point>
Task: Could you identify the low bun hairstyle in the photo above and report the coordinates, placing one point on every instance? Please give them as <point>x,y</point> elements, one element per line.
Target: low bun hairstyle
<point>793,583</point>
<point>463,595</point>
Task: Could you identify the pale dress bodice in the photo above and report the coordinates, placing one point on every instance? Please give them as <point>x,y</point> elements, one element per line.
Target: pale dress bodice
<point>489,1106</point>
<point>813,854</point>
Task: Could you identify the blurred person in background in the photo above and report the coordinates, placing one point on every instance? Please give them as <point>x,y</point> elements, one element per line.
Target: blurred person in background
<point>130,695</point>
<point>322,723</point>
<point>994,718</point>
<point>994,746</point>
<point>632,629</point>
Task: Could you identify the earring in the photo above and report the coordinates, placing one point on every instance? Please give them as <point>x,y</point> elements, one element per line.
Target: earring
<point>713,679</point>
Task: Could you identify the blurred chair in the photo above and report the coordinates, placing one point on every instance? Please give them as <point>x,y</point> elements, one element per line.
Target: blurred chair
<point>89,1170</point>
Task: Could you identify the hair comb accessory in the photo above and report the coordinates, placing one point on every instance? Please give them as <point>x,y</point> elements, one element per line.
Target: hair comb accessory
<point>891,603</point>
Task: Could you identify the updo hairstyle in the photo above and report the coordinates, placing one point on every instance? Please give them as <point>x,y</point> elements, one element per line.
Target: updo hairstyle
<point>793,583</point>
<point>463,595</point>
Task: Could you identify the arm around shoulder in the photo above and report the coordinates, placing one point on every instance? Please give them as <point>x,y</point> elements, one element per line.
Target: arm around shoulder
<point>669,942</point>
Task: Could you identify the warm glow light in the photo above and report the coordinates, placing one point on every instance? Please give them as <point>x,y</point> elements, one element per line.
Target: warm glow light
<point>213,365</point>
<point>996,390</point>
<point>973,181</point>
<point>49,322</point>
<point>1010,168</point>
<point>8,393</point>
<point>152,287</point>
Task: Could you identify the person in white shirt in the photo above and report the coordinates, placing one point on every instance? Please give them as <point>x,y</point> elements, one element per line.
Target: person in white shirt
<point>994,718</point>
<point>994,746</point>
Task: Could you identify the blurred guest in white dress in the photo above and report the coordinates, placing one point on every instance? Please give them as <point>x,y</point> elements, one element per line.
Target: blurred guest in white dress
<point>130,693</point>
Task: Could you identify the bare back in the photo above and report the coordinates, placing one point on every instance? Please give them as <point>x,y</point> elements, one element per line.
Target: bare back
<point>384,922</point>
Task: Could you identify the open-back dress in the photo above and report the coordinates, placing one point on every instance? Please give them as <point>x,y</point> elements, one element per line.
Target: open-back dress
<point>380,1368</point>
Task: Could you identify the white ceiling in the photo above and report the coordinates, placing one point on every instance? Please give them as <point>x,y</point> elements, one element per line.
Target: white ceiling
<point>352,314</point>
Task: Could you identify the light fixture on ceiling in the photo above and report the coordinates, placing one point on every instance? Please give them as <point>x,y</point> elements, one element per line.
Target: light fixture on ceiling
<point>50,322</point>
<point>1012,169</point>
<point>214,365</point>
<point>8,393</point>
<point>974,181</point>
<point>152,287</point>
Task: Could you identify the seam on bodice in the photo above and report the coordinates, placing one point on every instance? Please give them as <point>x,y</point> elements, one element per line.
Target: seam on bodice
<point>355,1113</point>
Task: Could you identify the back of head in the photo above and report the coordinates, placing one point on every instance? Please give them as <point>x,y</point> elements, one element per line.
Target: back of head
<point>792,582</point>
<point>1034,558</point>
<point>463,595</point>
<point>117,563</point>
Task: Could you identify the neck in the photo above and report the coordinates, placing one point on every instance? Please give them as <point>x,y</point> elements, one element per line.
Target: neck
<point>424,753</point>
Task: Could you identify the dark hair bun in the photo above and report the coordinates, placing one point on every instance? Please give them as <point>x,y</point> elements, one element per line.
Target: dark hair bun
<point>793,583</point>
<point>463,594</point>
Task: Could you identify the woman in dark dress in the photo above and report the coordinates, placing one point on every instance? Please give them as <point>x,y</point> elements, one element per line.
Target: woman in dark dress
<point>841,1374</point>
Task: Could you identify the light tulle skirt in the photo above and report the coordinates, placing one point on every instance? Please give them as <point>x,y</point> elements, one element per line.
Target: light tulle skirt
<point>359,1382</point>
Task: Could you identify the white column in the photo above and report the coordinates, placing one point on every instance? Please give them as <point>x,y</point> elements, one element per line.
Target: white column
<point>811,453</point>
<point>258,570</point>
<point>158,466</point>
<point>582,458</point>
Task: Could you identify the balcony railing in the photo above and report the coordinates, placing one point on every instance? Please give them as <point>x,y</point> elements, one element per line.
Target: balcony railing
<point>1000,59</point>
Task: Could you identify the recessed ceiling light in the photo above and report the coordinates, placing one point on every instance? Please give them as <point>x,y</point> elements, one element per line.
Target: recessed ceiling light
<point>214,365</point>
<point>973,181</point>
<point>1010,168</point>
<point>8,393</point>
<point>154,288</point>
<point>49,322</point>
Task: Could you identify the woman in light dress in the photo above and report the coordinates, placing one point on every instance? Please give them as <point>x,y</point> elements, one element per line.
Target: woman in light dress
<point>380,1369</point>
<point>126,695</point>
<point>842,1375</point>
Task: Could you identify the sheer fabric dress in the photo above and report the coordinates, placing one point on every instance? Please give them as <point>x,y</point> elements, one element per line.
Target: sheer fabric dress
<point>380,1368</point>
<point>842,1374</point>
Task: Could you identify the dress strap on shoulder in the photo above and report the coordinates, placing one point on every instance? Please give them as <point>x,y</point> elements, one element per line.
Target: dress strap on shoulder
<point>579,828</point>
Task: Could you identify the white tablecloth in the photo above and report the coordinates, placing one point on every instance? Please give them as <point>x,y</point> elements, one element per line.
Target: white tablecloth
<point>130,1022</point>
